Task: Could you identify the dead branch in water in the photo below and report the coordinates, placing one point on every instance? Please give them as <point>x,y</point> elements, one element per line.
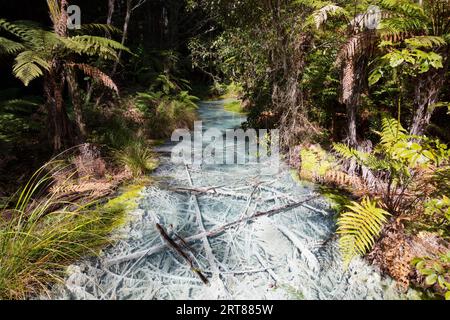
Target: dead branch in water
<point>177,248</point>
<point>212,233</point>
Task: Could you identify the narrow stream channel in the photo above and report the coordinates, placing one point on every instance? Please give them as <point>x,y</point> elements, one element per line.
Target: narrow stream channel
<point>288,255</point>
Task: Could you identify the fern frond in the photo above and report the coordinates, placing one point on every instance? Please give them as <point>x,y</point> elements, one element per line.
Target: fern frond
<point>404,7</point>
<point>96,74</point>
<point>357,44</point>
<point>10,47</point>
<point>359,227</point>
<point>54,10</point>
<point>392,132</point>
<point>426,41</point>
<point>28,66</point>
<point>99,27</point>
<point>94,46</point>
<point>321,15</point>
<point>22,31</point>
<point>399,25</point>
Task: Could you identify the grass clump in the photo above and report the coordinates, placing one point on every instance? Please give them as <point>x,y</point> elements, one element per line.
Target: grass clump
<point>138,158</point>
<point>41,236</point>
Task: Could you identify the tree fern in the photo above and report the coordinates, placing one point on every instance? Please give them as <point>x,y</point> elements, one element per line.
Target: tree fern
<point>359,227</point>
<point>29,65</point>
<point>10,47</point>
<point>426,41</point>
<point>321,15</point>
<point>95,74</point>
<point>404,7</point>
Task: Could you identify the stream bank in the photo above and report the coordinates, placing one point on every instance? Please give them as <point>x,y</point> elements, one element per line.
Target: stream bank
<point>288,255</point>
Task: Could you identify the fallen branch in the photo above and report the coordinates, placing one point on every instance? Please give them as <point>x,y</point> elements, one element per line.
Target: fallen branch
<point>209,253</point>
<point>209,191</point>
<point>177,248</point>
<point>212,233</point>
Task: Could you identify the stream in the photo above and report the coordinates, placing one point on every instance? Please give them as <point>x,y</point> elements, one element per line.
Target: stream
<point>288,255</point>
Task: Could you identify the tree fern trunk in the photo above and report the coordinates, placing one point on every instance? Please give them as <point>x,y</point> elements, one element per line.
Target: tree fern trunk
<point>426,93</point>
<point>60,131</point>
<point>353,83</point>
<point>77,105</point>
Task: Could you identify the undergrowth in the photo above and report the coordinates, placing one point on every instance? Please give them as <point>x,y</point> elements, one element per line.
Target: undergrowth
<point>41,235</point>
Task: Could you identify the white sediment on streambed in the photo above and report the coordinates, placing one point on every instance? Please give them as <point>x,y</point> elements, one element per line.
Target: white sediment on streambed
<point>284,256</point>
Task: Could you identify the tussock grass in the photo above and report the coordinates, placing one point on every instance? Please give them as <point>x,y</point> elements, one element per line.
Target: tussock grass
<point>137,158</point>
<point>37,242</point>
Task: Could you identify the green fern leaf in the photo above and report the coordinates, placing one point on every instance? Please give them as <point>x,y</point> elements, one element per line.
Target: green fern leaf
<point>359,227</point>
<point>10,47</point>
<point>29,66</point>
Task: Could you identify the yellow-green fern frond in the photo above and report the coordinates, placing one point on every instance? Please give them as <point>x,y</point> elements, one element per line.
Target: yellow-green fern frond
<point>10,47</point>
<point>404,8</point>
<point>54,10</point>
<point>359,227</point>
<point>392,132</point>
<point>28,66</point>
<point>426,41</point>
<point>94,46</point>
<point>98,27</point>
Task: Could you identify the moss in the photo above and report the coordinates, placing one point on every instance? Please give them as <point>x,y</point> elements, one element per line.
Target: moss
<point>234,106</point>
<point>127,201</point>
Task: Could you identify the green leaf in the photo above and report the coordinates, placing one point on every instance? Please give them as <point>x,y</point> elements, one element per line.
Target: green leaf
<point>420,265</point>
<point>431,279</point>
<point>438,267</point>
<point>375,77</point>
<point>427,271</point>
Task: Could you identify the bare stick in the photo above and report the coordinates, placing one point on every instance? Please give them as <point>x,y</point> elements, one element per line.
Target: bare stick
<point>177,248</point>
<point>212,233</point>
<point>209,191</point>
<point>206,244</point>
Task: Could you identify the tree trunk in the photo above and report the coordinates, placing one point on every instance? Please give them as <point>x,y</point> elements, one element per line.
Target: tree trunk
<point>351,124</point>
<point>124,33</point>
<point>111,7</point>
<point>353,83</point>
<point>77,104</point>
<point>426,93</point>
<point>60,131</point>
<point>288,59</point>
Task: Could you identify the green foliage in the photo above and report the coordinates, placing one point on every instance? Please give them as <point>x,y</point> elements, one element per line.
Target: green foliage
<point>437,214</point>
<point>37,242</point>
<point>16,121</point>
<point>436,273</point>
<point>36,48</point>
<point>137,158</point>
<point>359,227</point>
<point>396,161</point>
<point>315,162</point>
<point>234,106</point>
<point>397,152</point>
<point>168,109</point>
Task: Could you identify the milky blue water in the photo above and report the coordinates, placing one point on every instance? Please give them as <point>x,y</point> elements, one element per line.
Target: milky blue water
<point>290,255</point>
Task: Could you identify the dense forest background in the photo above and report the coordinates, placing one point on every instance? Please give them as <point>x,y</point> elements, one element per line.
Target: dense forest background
<point>360,91</point>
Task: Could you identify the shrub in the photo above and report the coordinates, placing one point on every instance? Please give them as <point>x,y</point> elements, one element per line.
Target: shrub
<point>41,236</point>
